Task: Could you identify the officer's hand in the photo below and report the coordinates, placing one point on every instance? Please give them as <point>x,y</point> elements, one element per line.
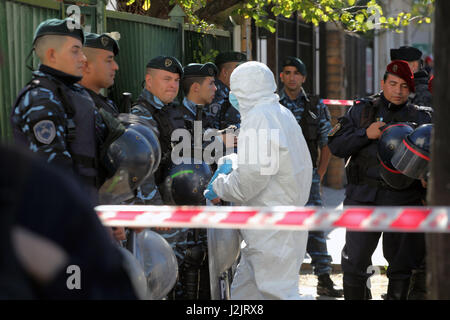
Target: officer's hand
<point>373,131</point>
<point>119,233</point>
<point>424,183</point>
<point>216,200</point>
<point>163,228</point>
<point>229,140</point>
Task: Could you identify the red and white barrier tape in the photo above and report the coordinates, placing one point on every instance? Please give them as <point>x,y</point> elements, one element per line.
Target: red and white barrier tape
<point>411,219</point>
<point>337,102</point>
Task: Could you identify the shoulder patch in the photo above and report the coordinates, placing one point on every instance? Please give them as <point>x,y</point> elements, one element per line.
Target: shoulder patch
<point>335,129</point>
<point>214,108</point>
<point>44,131</point>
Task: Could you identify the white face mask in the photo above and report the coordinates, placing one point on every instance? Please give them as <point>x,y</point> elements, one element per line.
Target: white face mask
<point>234,101</point>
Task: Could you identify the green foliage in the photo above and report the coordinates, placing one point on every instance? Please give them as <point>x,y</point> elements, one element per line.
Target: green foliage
<point>199,57</point>
<point>352,15</point>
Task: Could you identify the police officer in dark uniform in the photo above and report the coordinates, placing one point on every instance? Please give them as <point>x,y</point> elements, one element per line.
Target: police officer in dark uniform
<point>355,137</point>
<point>220,107</point>
<point>53,115</point>
<point>98,73</point>
<point>156,105</point>
<point>100,68</point>
<point>422,96</point>
<point>314,118</point>
<point>199,89</point>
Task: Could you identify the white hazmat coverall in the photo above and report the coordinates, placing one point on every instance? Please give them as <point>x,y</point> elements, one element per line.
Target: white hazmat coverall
<point>274,169</point>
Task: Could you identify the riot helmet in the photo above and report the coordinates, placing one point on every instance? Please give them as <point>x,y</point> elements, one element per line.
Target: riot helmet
<point>159,263</point>
<point>185,183</point>
<point>391,137</point>
<point>129,156</point>
<point>412,157</point>
<point>150,132</point>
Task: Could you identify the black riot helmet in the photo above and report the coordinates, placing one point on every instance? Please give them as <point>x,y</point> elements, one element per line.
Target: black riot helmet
<point>184,183</point>
<point>130,158</point>
<point>391,137</point>
<point>150,132</point>
<point>412,157</point>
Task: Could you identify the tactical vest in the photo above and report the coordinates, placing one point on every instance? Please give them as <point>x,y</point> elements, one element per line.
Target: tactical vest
<point>310,125</point>
<point>169,119</point>
<point>364,167</point>
<point>80,127</point>
<point>101,103</point>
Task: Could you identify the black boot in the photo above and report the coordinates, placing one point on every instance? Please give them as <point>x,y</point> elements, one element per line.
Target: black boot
<point>418,285</point>
<point>355,292</point>
<point>397,289</point>
<point>325,287</point>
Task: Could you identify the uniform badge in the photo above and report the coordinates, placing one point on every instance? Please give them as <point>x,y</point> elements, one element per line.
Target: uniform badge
<point>335,129</point>
<point>44,131</point>
<point>168,63</point>
<point>210,71</point>
<point>394,68</point>
<point>214,108</point>
<point>105,41</point>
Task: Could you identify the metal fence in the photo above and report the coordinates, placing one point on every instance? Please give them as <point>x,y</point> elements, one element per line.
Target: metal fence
<point>141,39</point>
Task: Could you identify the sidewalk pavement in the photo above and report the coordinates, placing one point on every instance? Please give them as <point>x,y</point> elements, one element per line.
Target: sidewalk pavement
<point>336,238</point>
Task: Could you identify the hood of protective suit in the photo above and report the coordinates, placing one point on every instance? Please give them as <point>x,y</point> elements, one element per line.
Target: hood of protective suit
<point>253,83</point>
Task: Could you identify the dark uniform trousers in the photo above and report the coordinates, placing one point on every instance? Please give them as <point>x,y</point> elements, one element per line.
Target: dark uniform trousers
<point>403,251</point>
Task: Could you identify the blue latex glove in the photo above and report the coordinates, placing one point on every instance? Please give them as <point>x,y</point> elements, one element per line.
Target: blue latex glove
<point>209,193</point>
<point>224,168</point>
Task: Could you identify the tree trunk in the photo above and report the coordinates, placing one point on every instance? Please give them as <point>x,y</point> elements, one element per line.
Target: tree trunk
<point>438,244</point>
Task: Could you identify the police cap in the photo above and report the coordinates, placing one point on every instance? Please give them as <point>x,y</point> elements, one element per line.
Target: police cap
<point>406,53</point>
<point>295,62</point>
<point>58,27</point>
<point>208,69</point>
<point>101,41</point>
<point>401,69</point>
<point>166,63</point>
<point>231,56</point>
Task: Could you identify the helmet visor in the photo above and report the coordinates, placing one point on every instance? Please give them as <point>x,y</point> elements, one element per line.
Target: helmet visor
<point>411,161</point>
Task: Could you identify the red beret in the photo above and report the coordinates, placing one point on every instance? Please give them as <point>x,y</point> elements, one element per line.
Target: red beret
<point>401,69</point>
<point>430,84</point>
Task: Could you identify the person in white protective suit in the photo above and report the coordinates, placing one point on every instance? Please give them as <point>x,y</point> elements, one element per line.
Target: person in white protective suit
<point>279,176</point>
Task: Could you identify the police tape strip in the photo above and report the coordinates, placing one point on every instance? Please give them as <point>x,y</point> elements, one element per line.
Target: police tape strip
<point>410,219</point>
<point>337,102</point>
